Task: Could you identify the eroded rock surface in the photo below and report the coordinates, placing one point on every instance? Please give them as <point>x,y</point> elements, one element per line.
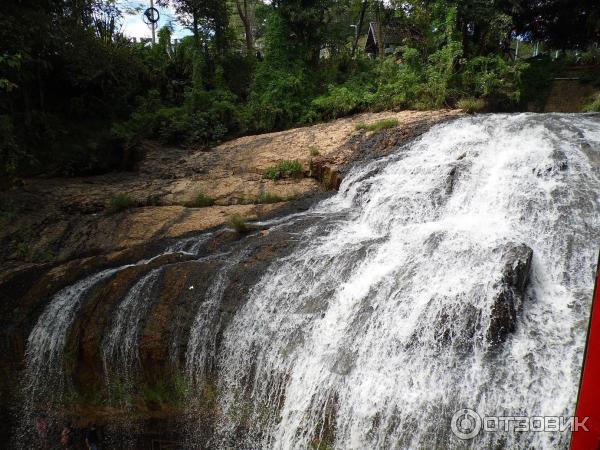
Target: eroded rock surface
<point>58,219</point>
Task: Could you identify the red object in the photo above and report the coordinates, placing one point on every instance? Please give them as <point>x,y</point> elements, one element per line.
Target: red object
<point>588,401</point>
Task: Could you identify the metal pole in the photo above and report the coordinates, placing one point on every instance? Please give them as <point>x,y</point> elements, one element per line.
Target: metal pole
<point>153,25</point>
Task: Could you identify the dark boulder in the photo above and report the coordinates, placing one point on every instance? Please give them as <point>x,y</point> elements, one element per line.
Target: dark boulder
<point>508,302</point>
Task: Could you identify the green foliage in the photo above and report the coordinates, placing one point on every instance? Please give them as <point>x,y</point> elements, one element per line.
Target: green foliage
<point>494,79</point>
<point>200,201</point>
<point>283,169</point>
<point>282,88</point>
<point>379,125</point>
<point>471,105</point>
<point>76,95</point>
<point>238,223</point>
<point>314,150</point>
<point>269,197</point>
<point>120,202</point>
<point>593,105</point>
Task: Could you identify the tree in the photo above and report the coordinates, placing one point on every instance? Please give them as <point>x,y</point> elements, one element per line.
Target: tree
<point>560,23</point>
<point>207,19</point>
<point>245,9</point>
<point>359,25</point>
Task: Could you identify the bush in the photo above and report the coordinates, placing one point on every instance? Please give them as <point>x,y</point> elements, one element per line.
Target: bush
<point>471,105</point>
<point>314,150</point>
<point>283,169</point>
<point>120,202</point>
<point>200,201</point>
<point>238,223</point>
<point>339,101</point>
<point>377,126</point>
<point>494,79</point>
<point>593,105</point>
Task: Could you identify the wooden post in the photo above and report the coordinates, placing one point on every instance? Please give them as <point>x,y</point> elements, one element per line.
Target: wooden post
<point>153,25</point>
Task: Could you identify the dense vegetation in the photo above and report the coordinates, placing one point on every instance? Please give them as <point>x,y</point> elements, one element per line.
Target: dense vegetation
<point>76,95</point>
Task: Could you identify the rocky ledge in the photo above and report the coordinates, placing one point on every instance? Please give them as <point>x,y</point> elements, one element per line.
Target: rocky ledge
<point>173,192</point>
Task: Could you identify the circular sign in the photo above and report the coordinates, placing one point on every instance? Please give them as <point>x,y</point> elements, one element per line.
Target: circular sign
<point>151,15</point>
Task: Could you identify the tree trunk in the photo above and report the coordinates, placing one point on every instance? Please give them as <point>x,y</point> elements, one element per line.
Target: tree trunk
<point>379,23</point>
<point>243,12</point>
<point>361,18</point>
<point>196,32</point>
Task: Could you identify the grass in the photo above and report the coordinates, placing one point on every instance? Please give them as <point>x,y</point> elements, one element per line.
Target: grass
<point>200,201</point>
<point>268,197</point>
<point>377,126</point>
<point>471,105</point>
<point>120,202</point>
<point>283,169</point>
<point>238,223</point>
<point>314,150</point>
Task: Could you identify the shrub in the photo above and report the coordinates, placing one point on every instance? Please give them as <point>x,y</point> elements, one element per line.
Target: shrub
<point>238,223</point>
<point>200,200</point>
<point>120,202</point>
<point>339,101</point>
<point>471,105</point>
<point>314,150</point>
<point>593,105</point>
<point>283,169</point>
<point>268,197</point>
<point>494,79</point>
<point>379,125</point>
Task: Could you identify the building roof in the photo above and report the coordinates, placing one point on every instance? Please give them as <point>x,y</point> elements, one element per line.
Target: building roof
<point>393,33</point>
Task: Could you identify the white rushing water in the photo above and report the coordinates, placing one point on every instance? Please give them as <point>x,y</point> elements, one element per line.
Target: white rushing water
<point>45,377</point>
<point>46,344</point>
<point>120,344</point>
<point>373,332</point>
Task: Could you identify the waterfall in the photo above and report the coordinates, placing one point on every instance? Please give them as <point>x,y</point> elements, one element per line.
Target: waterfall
<point>120,345</point>
<point>377,329</point>
<point>201,348</point>
<point>455,273</point>
<point>46,344</point>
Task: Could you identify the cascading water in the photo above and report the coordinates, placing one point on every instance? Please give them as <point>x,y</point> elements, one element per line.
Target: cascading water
<point>377,329</point>
<point>455,273</point>
<point>46,343</point>
<point>120,346</point>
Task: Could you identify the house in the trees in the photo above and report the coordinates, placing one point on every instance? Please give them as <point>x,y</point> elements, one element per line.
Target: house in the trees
<point>392,38</point>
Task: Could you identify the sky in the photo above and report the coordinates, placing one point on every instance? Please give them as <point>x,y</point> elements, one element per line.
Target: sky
<point>134,26</point>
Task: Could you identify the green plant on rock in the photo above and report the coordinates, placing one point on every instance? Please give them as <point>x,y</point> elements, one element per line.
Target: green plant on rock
<point>238,223</point>
<point>268,197</point>
<point>283,169</point>
<point>379,125</point>
<point>200,200</point>
<point>314,150</point>
<point>120,202</point>
<point>471,105</point>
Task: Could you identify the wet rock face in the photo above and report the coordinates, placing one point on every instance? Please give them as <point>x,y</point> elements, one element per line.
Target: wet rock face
<point>87,242</point>
<point>512,287</point>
